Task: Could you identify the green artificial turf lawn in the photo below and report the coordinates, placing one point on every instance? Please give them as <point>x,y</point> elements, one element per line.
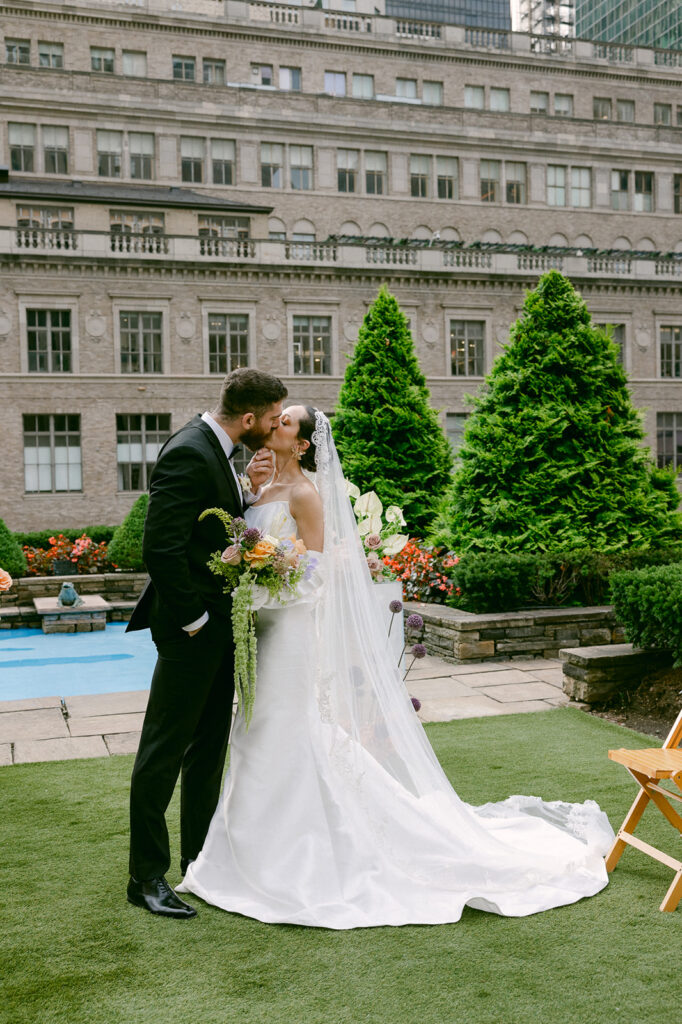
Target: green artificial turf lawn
<point>73,951</point>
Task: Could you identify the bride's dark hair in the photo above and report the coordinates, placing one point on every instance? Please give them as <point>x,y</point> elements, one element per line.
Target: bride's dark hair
<point>306,426</point>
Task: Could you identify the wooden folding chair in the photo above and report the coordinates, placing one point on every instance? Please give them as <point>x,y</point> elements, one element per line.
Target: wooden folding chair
<point>649,768</point>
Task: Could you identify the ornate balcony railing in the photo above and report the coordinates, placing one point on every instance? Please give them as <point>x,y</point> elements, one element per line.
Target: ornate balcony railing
<point>467,258</point>
<point>347,23</point>
<point>138,243</point>
<point>390,254</point>
<point>306,252</point>
<point>230,248</point>
<point>46,239</point>
<point>619,53</point>
<point>609,264</point>
<point>539,261</point>
<point>418,29</point>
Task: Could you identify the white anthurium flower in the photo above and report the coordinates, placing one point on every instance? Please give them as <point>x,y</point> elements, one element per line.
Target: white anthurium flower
<point>368,505</point>
<point>395,515</point>
<point>394,544</point>
<point>352,491</point>
<point>371,524</point>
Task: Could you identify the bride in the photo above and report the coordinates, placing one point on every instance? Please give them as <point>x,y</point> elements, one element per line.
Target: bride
<point>335,812</point>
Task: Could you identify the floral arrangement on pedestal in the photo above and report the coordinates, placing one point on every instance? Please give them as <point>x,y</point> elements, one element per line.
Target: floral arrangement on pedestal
<point>79,556</point>
<point>378,529</point>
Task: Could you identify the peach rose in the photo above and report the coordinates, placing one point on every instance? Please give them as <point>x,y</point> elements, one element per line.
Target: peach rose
<point>5,580</point>
<point>231,555</point>
<point>259,554</point>
<point>299,546</point>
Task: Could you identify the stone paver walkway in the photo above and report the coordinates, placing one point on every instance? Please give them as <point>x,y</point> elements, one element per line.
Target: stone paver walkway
<point>67,728</point>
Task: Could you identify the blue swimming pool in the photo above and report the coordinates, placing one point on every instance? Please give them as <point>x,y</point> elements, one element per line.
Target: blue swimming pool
<point>33,664</point>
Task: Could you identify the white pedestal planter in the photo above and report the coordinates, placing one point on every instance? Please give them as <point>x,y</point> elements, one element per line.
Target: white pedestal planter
<point>384,593</point>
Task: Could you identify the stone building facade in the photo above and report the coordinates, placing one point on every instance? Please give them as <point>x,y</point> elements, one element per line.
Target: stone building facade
<point>190,191</point>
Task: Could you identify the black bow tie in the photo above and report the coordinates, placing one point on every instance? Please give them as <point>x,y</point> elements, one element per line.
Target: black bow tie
<point>237,450</point>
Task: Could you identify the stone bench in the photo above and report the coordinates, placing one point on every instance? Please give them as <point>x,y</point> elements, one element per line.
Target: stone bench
<point>595,674</point>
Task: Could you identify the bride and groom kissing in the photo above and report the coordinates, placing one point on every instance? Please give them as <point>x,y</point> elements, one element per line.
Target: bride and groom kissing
<point>334,810</point>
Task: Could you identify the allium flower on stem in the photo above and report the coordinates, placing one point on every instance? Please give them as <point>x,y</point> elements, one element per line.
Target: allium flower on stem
<point>396,606</point>
<point>414,621</point>
<point>418,650</point>
<point>250,537</point>
<point>416,703</point>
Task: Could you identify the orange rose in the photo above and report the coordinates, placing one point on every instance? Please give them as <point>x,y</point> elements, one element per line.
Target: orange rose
<point>5,580</point>
<point>260,553</point>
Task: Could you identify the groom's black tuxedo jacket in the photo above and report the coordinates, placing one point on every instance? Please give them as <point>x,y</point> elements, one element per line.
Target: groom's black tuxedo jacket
<point>192,473</point>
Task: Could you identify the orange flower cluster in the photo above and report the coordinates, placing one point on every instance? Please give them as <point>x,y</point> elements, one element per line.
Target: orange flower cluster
<point>422,572</point>
<point>85,555</point>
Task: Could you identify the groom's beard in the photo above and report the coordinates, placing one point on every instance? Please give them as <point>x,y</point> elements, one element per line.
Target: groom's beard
<point>254,439</point>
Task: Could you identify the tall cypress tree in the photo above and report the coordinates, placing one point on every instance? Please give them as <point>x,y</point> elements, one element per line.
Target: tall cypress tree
<point>553,453</point>
<point>388,436</point>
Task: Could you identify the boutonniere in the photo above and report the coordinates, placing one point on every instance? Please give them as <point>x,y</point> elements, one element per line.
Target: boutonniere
<point>245,483</point>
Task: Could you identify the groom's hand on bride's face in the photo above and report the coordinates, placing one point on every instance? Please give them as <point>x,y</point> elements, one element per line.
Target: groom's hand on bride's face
<point>260,468</point>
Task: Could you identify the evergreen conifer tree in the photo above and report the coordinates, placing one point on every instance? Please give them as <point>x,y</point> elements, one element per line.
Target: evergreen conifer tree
<point>12,558</point>
<point>125,549</point>
<point>553,453</point>
<point>388,436</point>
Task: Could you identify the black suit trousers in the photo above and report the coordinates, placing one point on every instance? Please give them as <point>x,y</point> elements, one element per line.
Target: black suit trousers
<point>185,733</point>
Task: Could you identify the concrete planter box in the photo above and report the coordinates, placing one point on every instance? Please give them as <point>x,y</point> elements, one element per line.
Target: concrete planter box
<point>119,589</point>
<point>462,637</point>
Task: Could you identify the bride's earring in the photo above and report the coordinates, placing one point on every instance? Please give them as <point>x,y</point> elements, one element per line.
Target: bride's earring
<point>296,453</point>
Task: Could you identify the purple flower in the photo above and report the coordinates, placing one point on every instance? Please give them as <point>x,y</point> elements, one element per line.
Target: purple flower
<point>250,537</point>
<point>396,606</point>
<point>414,621</point>
<point>416,703</point>
<point>419,651</point>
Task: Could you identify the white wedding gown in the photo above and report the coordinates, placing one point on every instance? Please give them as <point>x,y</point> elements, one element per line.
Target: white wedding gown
<point>312,830</point>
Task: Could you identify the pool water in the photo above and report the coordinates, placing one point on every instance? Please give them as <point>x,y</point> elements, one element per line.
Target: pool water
<point>35,664</point>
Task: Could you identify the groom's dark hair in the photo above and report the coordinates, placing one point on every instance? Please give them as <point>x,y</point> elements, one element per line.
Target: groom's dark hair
<point>247,390</point>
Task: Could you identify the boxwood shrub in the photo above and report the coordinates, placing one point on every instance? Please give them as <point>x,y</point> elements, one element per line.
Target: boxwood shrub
<point>649,604</point>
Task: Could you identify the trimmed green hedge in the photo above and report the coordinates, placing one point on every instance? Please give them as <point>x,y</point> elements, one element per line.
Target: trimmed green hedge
<point>12,558</point>
<point>41,538</point>
<point>502,582</point>
<point>649,604</point>
<point>125,549</point>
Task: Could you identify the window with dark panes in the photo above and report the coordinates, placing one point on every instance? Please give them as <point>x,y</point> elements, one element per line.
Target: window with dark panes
<point>109,154</point>
<point>271,162</point>
<point>141,145</point>
<point>192,152</point>
<point>312,342</point>
<point>141,342</point>
<point>663,113</point>
<point>376,165</point>
<point>223,161</point>
<point>290,79</point>
<point>515,182</point>
<point>601,108</point>
<point>446,177</point>
<point>261,74</point>
<point>48,336</point>
<point>184,68</point>
<point>214,72</point>
<point>52,453</point>
<point>620,190</point>
<point>467,341</point>
<point>677,192</point>
<point>347,164</point>
<point>56,149</point>
<point>490,181</point>
<point>102,59</point>
<point>22,142</point>
<point>644,191</point>
<point>669,439</point>
<point>228,342</point>
<point>301,167</point>
<point>17,51</point>
<point>671,351</point>
<point>51,55</point>
<point>139,439</point>
<point>420,172</point>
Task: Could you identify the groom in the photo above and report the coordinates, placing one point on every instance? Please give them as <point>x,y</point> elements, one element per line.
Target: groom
<point>188,717</point>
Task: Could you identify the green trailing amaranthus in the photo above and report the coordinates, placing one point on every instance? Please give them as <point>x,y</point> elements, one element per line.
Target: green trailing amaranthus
<point>245,646</point>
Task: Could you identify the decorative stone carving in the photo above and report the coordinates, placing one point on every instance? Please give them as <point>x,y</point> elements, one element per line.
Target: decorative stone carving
<point>502,334</point>
<point>5,323</point>
<point>95,325</point>
<point>185,327</point>
<point>642,337</point>
<point>271,328</point>
<point>429,333</point>
<point>352,326</point>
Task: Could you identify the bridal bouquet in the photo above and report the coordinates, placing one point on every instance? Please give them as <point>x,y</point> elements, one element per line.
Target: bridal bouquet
<point>251,558</point>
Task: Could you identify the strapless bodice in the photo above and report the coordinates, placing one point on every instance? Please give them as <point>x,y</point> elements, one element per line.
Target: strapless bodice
<point>273,517</point>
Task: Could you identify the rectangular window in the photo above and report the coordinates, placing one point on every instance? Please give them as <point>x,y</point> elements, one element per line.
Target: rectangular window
<point>455,423</point>
<point>261,74</point>
<point>474,97</point>
<point>499,100</point>
<point>625,111</point>
<point>335,83</point>
<point>581,186</point>
<point>601,108</point>
<point>223,161</point>
<point>515,181</point>
<point>620,190</point>
<point>17,51</point>
<point>45,218</point>
<point>669,439</point>
<point>677,192</point>
<point>228,342</point>
<point>446,175</point>
<point>467,339</point>
<point>671,351</point>
<point>56,150</point>
<point>406,88</point>
<point>214,72</point>
<point>137,231</point>
<point>678,115</point>
<point>51,55</point>
<point>347,164</point>
<point>363,87</point>
<point>48,334</point>
<point>312,345</point>
<point>617,334</point>
<point>192,152</point>
<point>556,185</point>
<point>376,169</point>
<point>490,181</point>
<point>644,191</point>
<point>301,167</point>
<point>211,226</point>
<point>563,104</point>
<point>141,342</point>
<point>290,79</point>
<point>432,94</point>
<point>271,163</point>
<point>52,454</point>
<point>184,68</point>
<point>22,142</point>
<point>420,172</point>
<point>139,439</point>
<point>539,102</point>
<point>663,113</point>
<point>109,151</point>
<point>134,63</point>
<point>141,146</point>
<point>102,59</point>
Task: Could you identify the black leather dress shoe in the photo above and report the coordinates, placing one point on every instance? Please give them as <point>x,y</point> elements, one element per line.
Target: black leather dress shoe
<point>156,896</point>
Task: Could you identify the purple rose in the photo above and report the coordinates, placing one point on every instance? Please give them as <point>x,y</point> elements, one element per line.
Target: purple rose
<point>416,703</point>
<point>373,541</point>
<point>414,621</point>
<point>419,651</point>
<point>396,606</point>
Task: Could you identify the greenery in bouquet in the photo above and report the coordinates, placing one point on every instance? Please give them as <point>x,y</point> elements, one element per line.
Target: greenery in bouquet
<point>424,572</point>
<point>253,558</point>
<point>378,529</point>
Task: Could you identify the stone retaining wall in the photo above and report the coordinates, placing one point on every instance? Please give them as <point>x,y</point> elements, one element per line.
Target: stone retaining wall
<point>462,637</point>
<point>120,589</point>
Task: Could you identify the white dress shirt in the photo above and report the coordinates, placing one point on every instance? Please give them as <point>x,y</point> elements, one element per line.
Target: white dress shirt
<point>227,444</point>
